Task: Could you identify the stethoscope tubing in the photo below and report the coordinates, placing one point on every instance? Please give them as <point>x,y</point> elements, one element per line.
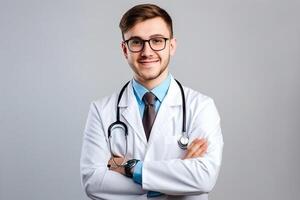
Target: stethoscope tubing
<point>118,122</point>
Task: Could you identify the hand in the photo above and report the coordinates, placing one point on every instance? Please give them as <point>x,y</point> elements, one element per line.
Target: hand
<point>196,149</point>
<point>112,165</point>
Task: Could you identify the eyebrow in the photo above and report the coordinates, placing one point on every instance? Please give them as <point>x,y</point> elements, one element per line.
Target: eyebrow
<point>156,35</point>
<point>151,36</point>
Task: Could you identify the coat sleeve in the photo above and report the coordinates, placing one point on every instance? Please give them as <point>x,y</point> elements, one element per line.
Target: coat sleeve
<point>190,176</point>
<point>97,180</point>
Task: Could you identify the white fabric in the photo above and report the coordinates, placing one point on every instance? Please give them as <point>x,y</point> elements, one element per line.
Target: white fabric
<point>163,169</point>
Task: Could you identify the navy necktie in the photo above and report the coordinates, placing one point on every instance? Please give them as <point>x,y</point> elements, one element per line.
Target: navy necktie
<point>149,112</point>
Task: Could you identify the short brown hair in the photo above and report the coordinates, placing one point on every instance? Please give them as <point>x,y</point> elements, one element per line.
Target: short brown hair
<point>142,12</point>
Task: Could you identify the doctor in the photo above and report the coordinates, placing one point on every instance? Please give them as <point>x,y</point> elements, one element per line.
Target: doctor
<point>144,154</point>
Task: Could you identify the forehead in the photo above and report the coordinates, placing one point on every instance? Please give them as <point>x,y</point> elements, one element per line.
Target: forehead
<point>147,28</point>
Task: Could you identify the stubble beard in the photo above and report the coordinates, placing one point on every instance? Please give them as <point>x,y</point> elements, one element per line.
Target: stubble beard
<point>144,78</point>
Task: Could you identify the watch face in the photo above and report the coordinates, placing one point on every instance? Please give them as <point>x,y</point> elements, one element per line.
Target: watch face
<point>128,166</point>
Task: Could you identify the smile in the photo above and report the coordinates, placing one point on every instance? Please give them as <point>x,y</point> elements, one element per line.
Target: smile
<point>148,61</point>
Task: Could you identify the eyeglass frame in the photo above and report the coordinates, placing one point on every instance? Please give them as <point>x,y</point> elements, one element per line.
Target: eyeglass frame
<point>144,41</point>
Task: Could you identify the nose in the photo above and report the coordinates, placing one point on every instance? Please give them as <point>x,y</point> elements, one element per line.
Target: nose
<point>147,51</point>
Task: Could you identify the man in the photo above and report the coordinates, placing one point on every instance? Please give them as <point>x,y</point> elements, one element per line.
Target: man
<point>134,141</point>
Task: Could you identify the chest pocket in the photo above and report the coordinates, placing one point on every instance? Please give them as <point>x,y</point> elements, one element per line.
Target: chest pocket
<point>167,140</point>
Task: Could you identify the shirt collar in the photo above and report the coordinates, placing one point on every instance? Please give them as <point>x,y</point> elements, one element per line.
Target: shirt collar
<point>159,91</point>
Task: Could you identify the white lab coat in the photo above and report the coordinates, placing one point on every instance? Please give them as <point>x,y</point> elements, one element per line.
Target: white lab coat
<point>163,168</point>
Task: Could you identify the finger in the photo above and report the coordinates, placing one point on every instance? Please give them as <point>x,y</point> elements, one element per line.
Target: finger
<point>196,142</point>
<point>196,149</point>
<point>193,148</point>
<point>200,151</point>
<point>115,161</point>
<point>110,163</point>
<point>193,143</point>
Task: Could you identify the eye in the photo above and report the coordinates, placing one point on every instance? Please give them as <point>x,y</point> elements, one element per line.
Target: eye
<point>157,40</point>
<point>135,41</point>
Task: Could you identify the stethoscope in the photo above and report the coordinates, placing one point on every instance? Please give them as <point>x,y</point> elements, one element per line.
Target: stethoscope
<point>182,141</point>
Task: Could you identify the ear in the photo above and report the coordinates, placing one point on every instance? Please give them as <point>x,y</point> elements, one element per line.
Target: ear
<point>173,45</point>
<point>124,49</point>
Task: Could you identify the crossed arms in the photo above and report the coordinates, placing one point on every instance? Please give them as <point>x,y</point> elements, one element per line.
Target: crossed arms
<point>195,173</point>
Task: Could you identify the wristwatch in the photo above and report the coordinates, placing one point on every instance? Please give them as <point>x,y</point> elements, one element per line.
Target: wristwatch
<point>128,166</point>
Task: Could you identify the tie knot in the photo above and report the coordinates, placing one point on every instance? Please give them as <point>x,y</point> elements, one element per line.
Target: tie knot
<point>149,98</point>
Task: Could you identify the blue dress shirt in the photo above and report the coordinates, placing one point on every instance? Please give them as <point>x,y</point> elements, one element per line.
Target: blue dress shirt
<point>159,91</point>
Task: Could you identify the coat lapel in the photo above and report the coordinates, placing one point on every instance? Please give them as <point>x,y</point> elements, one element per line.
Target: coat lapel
<point>170,107</point>
<point>131,114</point>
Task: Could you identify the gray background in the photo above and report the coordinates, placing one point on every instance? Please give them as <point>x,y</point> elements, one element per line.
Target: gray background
<point>58,56</point>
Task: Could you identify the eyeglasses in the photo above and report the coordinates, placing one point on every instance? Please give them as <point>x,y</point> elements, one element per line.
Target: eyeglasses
<point>136,44</point>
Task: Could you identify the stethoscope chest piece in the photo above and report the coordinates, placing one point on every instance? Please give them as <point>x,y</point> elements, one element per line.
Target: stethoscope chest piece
<point>183,142</point>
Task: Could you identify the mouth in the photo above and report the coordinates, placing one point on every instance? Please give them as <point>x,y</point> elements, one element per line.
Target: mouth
<point>145,62</point>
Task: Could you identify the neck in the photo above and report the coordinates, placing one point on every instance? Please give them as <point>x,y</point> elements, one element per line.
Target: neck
<point>152,83</point>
